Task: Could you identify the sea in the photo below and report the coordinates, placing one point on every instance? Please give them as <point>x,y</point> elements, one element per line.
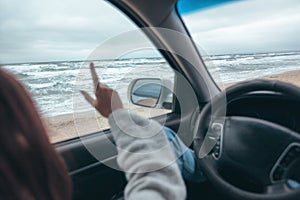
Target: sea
<point>55,86</point>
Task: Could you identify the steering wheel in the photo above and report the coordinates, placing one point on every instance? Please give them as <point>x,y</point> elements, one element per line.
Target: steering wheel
<point>260,151</point>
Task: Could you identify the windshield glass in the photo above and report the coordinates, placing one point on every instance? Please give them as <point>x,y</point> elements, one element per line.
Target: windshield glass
<point>243,40</point>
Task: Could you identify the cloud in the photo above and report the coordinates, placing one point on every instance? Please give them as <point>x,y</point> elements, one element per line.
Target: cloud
<point>247,26</point>
<point>40,30</point>
<point>33,30</point>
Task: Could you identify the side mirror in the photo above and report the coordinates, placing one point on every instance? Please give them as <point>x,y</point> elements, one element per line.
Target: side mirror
<point>151,92</point>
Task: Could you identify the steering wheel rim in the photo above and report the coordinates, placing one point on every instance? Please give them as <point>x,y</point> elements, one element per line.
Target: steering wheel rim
<point>207,128</point>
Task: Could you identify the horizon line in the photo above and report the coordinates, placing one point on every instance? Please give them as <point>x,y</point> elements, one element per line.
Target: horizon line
<point>110,59</point>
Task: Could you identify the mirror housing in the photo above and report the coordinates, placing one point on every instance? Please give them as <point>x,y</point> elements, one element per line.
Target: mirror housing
<point>151,93</point>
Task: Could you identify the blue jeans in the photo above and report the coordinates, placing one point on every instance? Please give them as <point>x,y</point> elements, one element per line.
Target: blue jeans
<point>186,158</point>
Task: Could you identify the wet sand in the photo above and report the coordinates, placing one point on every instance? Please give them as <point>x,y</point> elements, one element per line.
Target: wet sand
<point>67,126</point>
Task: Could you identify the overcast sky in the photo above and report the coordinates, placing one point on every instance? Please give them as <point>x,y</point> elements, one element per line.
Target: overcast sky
<point>248,26</point>
<point>43,30</point>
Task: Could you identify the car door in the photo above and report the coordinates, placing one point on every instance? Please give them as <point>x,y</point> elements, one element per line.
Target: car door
<point>54,77</point>
<point>95,173</point>
<point>54,74</point>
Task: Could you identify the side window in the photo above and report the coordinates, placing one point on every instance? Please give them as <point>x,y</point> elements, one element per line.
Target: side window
<point>246,40</point>
<point>49,45</point>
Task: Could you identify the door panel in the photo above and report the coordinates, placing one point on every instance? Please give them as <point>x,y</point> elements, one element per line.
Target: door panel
<point>91,178</point>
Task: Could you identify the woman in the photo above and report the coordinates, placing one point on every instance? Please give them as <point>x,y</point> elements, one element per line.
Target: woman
<point>30,168</point>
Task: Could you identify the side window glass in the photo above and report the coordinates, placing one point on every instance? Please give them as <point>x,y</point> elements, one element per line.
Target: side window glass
<point>48,46</point>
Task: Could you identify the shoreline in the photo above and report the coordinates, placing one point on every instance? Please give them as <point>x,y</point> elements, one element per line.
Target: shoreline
<point>66,126</point>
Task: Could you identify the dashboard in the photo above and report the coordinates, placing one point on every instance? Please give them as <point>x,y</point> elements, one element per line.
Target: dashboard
<point>273,107</point>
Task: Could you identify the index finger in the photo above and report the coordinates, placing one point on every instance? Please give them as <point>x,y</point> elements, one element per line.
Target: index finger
<point>94,75</point>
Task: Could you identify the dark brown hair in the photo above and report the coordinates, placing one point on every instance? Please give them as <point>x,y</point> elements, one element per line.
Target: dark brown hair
<point>30,167</point>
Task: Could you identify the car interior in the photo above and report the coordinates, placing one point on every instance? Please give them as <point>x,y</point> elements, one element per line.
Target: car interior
<point>255,106</point>
<point>246,137</point>
<point>93,179</point>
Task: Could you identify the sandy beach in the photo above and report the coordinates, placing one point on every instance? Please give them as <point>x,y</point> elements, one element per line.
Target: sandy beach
<point>68,126</point>
<point>292,77</point>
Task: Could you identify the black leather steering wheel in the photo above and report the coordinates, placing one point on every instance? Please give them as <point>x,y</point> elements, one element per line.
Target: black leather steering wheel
<point>256,149</point>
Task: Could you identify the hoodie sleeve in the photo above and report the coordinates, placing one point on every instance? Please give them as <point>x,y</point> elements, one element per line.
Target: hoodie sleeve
<point>146,157</point>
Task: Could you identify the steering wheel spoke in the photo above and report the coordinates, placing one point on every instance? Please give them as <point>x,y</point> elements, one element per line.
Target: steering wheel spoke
<point>277,188</point>
<point>212,143</point>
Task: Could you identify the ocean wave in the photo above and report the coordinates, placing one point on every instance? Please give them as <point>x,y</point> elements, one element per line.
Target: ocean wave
<point>54,84</point>
<point>41,85</point>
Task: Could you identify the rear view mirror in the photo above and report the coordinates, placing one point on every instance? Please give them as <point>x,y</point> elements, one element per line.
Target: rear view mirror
<point>151,92</point>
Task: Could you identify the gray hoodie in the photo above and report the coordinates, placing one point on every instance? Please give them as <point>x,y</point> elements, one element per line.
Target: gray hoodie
<point>145,155</point>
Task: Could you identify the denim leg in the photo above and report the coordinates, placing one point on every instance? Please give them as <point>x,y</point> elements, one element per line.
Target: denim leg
<point>186,158</point>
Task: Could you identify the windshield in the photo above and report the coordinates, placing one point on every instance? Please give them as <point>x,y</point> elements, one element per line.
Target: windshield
<point>244,40</point>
